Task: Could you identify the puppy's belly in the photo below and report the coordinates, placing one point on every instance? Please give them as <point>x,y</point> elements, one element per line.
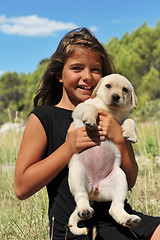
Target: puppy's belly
<point>98,162</point>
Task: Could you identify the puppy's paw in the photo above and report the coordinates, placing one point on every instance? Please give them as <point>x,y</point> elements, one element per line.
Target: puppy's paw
<point>129,131</point>
<point>130,137</point>
<point>89,120</point>
<point>128,220</point>
<point>133,221</point>
<point>87,113</point>
<point>86,213</point>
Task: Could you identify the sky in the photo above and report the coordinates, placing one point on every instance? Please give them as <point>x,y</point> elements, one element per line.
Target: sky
<point>31,30</point>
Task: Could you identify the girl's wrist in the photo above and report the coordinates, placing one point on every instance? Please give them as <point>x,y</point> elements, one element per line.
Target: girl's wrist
<point>69,149</point>
<point>119,141</point>
<point>122,145</point>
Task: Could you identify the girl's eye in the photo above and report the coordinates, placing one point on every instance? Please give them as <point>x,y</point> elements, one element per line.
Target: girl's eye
<point>76,68</point>
<point>96,70</point>
<point>125,90</point>
<point>108,86</point>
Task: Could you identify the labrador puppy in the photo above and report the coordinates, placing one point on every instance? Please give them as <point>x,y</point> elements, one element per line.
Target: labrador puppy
<point>95,173</point>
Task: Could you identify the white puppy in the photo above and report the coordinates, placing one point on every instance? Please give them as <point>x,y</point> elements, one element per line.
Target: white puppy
<point>95,174</point>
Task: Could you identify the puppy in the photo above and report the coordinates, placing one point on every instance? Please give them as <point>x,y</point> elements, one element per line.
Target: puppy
<point>95,173</point>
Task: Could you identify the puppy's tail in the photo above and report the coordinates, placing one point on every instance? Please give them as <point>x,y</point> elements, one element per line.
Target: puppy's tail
<point>94,233</point>
<point>73,220</point>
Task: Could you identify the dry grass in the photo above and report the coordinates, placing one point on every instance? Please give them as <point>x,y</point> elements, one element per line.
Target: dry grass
<point>21,219</point>
<point>145,194</point>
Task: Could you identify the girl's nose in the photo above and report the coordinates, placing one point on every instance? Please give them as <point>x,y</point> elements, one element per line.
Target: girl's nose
<point>87,76</point>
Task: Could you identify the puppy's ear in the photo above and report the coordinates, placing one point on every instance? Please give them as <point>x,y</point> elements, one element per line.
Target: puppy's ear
<point>95,90</point>
<point>133,98</point>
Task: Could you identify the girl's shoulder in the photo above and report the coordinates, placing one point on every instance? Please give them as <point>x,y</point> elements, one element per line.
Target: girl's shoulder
<point>55,122</point>
<point>49,114</point>
<point>42,109</point>
<point>50,109</point>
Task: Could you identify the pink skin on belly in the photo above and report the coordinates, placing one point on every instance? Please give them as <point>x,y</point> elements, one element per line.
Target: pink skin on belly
<point>98,161</point>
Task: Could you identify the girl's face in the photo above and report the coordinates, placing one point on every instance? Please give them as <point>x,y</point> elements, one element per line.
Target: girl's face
<point>81,73</point>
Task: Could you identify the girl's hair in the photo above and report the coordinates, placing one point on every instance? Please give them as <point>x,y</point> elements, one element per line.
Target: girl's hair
<point>50,89</point>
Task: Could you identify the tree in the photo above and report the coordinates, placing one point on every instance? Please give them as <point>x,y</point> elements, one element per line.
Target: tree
<point>150,84</point>
<point>136,56</point>
<point>33,80</point>
<point>12,92</point>
<point>12,89</point>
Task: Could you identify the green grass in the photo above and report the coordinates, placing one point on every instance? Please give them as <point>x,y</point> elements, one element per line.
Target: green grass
<point>28,219</point>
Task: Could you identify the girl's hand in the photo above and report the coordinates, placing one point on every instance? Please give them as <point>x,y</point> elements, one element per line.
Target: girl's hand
<point>111,127</point>
<point>82,138</point>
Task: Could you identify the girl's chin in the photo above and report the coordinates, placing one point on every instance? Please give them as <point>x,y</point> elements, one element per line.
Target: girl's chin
<point>84,94</point>
<point>85,97</point>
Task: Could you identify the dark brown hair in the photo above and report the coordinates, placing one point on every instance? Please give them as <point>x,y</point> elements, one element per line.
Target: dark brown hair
<point>50,89</point>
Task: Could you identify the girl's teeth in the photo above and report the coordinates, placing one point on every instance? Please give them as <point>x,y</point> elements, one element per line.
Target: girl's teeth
<point>86,88</point>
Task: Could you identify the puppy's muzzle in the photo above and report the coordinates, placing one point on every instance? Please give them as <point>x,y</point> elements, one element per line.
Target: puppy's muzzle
<point>115,99</point>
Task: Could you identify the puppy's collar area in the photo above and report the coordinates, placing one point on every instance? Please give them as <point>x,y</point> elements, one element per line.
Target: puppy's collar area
<point>86,99</point>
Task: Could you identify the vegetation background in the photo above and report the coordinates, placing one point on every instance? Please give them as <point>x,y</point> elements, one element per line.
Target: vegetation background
<point>136,56</point>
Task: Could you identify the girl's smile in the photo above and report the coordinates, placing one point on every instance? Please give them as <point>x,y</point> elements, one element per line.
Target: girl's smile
<point>81,73</point>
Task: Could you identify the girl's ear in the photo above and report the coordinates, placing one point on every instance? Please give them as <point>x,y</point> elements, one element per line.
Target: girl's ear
<point>96,89</point>
<point>133,98</point>
<point>59,77</point>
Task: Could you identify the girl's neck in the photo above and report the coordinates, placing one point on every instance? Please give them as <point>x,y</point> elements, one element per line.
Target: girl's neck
<point>64,105</point>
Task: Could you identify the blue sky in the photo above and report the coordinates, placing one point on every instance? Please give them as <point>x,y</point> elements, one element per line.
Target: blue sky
<point>31,30</point>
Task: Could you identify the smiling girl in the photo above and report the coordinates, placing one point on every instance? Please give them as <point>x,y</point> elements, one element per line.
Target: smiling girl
<point>73,72</point>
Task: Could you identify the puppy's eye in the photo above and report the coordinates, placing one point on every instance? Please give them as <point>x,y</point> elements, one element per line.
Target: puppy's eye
<point>125,90</point>
<point>108,86</point>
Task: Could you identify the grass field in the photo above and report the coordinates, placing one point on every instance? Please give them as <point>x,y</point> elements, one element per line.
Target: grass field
<point>28,219</point>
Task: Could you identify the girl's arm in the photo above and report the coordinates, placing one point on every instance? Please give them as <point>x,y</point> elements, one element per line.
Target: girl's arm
<point>32,171</point>
<point>114,133</point>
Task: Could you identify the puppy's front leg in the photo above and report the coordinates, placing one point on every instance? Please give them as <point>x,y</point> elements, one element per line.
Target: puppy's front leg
<point>87,113</point>
<point>77,183</point>
<point>129,130</point>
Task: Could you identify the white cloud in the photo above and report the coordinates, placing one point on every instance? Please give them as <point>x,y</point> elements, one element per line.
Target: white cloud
<point>93,28</point>
<point>32,26</point>
<point>116,21</point>
<point>121,20</point>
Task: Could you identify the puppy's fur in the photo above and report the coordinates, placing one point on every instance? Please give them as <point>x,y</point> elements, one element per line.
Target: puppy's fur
<point>95,173</point>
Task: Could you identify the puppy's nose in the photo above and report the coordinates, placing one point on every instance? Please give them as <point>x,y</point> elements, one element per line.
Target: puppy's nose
<point>115,98</point>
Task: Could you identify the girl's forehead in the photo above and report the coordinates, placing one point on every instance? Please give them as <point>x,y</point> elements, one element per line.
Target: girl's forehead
<point>81,52</point>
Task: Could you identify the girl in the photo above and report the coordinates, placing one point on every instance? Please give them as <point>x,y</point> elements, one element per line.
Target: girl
<point>73,72</point>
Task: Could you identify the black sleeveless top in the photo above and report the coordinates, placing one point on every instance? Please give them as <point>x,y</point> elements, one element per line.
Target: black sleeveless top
<point>56,122</point>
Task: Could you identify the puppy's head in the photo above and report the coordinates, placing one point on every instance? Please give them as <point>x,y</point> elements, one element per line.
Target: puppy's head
<point>116,91</point>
